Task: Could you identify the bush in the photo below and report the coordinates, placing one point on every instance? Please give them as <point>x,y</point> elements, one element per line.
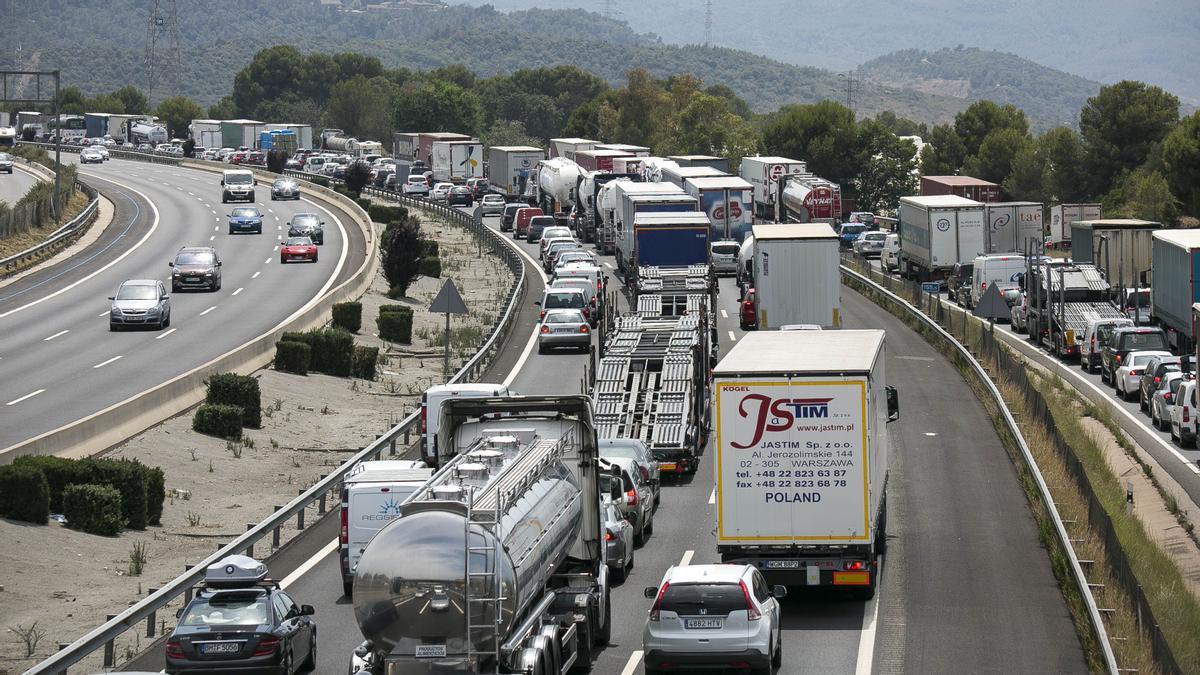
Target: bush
<point>429,247</point>
<point>129,478</point>
<point>156,495</point>
<point>292,357</point>
<point>357,175</point>
<point>347,316</point>
<point>91,508</point>
<point>222,421</point>
<point>395,309</point>
<point>319,180</point>
<point>238,390</point>
<point>400,250</point>
<point>59,472</point>
<point>363,203</point>
<point>24,494</point>
<point>395,326</point>
<point>387,213</point>
<point>365,359</point>
<point>431,266</point>
<point>332,351</point>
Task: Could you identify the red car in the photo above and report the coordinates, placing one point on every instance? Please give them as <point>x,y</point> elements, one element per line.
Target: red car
<point>749,315</point>
<point>297,248</point>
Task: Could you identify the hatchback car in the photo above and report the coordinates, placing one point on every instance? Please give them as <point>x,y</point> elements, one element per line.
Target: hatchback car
<point>618,540</point>
<point>140,302</point>
<point>460,195</point>
<point>569,257</point>
<point>242,622</point>
<point>307,225</point>
<point>556,232</point>
<point>1129,375</point>
<point>958,283</point>
<point>246,219</point>
<point>379,179</point>
<point>1183,415</point>
<point>196,267</point>
<point>536,225</point>
<point>416,185</point>
<point>491,205</point>
<point>285,188</point>
<point>889,259</point>
<point>564,328</point>
<point>508,216</point>
<point>1018,314</point>
<point>870,244</point>
<point>441,192</point>
<point>724,256</point>
<point>552,251</point>
<point>713,617</point>
<point>637,501</point>
<point>647,465</point>
<point>1152,375</point>
<point>1163,398</point>
<point>1096,337</point>
<point>297,248</point>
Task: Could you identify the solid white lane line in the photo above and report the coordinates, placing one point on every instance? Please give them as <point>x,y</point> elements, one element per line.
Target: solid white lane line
<point>712,497</point>
<point>635,660</point>
<point>732,336</point>
<point>866,637</point>
<point>255,275</point>
<point>212,237</point>
<point>166,333</point>
<point>208,310</point>
<point>724,314</point>
<point>28,396</point>
<point>268,260</point>
<point>61,332</point>
<point>237,291</point>
<point>608,265</point>
<point>687,558</point>
<point>308,564</point>
<point>105,363</point>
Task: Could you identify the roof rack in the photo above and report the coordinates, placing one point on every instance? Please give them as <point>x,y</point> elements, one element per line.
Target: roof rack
<point>236,571</point>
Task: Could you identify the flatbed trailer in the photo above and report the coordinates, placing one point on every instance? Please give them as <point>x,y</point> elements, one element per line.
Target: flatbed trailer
<point>1066,298</point>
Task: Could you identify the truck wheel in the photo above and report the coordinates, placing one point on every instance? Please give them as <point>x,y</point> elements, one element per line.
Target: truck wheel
<point>348,588</point>
<point>584,643</point>
<point>604,635</point>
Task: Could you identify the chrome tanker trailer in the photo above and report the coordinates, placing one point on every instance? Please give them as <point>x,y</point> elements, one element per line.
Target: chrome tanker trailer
<point>496,564</point>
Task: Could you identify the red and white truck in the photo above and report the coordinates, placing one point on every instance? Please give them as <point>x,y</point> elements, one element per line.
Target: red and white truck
<point>764,174</point>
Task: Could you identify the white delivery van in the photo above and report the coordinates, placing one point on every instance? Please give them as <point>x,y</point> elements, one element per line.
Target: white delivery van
<point>724,256</point>
<point>431,410</point>
<point>994,268</point>
<point>371,497</point>
<point>890,258</point>
<point>237,185</point>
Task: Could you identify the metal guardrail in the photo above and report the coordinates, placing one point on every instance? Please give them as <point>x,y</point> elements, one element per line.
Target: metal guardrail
<point>139,155</point>
<point>1060,530</point>
<point>102,637</point>
<point>63,235</point>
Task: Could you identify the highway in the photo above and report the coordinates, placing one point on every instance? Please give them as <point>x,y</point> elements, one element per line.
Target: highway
<point>14,186</point>
<point>966,585</point>
<point>58,360</point>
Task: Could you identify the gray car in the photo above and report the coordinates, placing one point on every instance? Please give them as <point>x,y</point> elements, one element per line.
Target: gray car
<point>140,302</point>
<point>6,162</point>
<point>491,205</point>
<point>1163,399</point>
<point>564,328</point>
<point>285,188</point>
<point>618,540</point>
<point>307,225</point>
<point>631,448</point>
<point>637,503</point>
<point>196,267</point>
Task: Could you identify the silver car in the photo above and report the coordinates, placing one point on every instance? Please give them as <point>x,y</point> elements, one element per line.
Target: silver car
<point>1164,398</point>
<point>870,244</point>
<point>567,257</point>
<point>491,205</point>
<point>564,328</point>
<point>1129,376</point>
<point>285,188</point>
<point>90,155</point>
<point>618,540</point>
<point>441,191</point>
<point>140,302</point>
<point>637,504</point>
<point>631,448</point>
<point>6,162</point>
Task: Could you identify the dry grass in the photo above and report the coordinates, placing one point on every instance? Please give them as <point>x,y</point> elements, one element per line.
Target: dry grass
<point>16,243</point>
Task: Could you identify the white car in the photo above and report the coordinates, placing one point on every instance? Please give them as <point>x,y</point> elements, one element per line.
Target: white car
<point>713,616</point>
<point>491,205</point>
<point>416,185</point>
<point>1129,375</point>
<point>99,148</point>
<point>870,244</point>
<point>441,191</point>
<point>90,155</point>
<point>889,258</point>
<point>1183,415</point>
<point>724,256</point>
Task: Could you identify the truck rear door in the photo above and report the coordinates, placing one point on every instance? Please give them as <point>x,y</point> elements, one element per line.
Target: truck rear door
<point>371,506</point>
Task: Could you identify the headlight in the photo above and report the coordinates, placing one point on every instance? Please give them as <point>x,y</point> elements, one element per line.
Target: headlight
<point>114,310</point>
<point>176,273</point>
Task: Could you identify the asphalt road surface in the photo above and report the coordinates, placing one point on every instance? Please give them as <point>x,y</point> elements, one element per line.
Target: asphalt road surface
<point>14,185</point>
<point>58,360</point>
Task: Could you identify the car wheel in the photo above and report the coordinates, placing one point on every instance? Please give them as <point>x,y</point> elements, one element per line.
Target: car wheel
<point>218,286</point>
<point>314,258</point>
<point>639,535</point>
<point>650,525</point>
<point>167,321</point>
<point>1174,438</point>
<point>620,575</point>
<point>113,327</point>
<point>259,230</point>
<point>541,349</point>
<point>231,230</point>
<point>310,664</point>
<point>174,288</point>
<point>777,658</point>
<point>282,260</point>
<point>1141,400</point>
<point>1154,417</point>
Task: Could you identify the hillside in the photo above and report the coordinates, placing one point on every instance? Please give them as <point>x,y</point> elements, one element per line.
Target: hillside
<point>1049,97</point>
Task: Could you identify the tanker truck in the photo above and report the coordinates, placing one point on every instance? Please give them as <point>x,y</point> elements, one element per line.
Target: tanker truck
<point>497,564</point>
<point>344,144</point>
<point>557,179</point>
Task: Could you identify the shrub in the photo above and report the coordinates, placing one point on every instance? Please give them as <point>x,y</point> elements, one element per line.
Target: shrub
<point>386,213</point>
<point>363,202</point>
<point>156,495</point>
<point>431,266</point>
<point>395,309</point>
<point>129,478</point>
<point>365,359</point>
<point>222,421</point>
<point>59,472</point>
<point>340,356</point>
<point>238,390</point>
<point>400,253</point>
<point>347,316</point>
<point>320,180</point>
<point>292,356</point>
<point>356,177</point>
<point>24,494</point>
<point>276,160</point>
<point>395,326</point>
<point>429,247</point>
<point>92,508</point>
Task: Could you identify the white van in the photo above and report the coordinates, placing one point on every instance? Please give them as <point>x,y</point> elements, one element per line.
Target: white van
<point>584,271</point>
<point>431,410</point>
<point>994,268</point>
<point>371,497</point>
<point>1099,331</point>
<point>237,186</point>
<point>889,259</point>
<point>724,256</point>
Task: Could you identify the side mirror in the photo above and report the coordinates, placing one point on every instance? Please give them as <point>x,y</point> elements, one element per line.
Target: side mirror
<point>893,404</point>
<point>538,303</point>
<point>649,591</point>
<point>307,610</point>
<point>179,613</point>
<point>171,264</point>
<point>779,591</point>
<point>222,181</point>
<point>615,490</point>
<point>112,297</point>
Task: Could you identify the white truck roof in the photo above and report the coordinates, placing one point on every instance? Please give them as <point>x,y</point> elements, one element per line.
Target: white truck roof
<point>389,471</point>
<point>941,201</point>
<point>794,231</point>
<point>776,352</point>
<point>1180,238</point>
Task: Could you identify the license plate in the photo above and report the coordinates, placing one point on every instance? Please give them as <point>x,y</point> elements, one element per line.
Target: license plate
<point>430,651</point>
<point>783,564</point>
<point>220,648</point>
<point>191,280</point>
<point>564,330</point>
<point>666,466</point>
<point>701,623</point>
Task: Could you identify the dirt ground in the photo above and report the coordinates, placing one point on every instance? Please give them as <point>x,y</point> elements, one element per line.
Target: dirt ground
<point>66,581</point>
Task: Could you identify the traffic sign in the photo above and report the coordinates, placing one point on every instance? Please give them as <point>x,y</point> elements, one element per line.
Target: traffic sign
<point>931,287</point>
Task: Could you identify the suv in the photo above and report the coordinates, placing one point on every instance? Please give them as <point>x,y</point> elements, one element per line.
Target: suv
<point>724,256</point>
<point>1153,374</point>
<point>196,267</point>
<point>958,282</point>
<point>713,615</point>
<point>637,496</point>
<point>1099,332</point>
<point>1129,339</point>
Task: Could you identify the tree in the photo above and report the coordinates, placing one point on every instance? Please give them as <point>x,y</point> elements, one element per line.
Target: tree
<point>706,126</point>
<point>824,134</point>
<point>944,154</point>
<point>887,168</point>
<point>362,107</point>
<point>276,160</point>
<point>981,118</point>
<point>1181,159</point>
<point>225,109</point>
<point>356,177</point>
<point>106,103</point>
<point>902,126</point>
<point>353,64</point>
<point>437,106</point>
<point>296,111</point>
<point>456,73</point>
<point>178,113</point>
<point>507,132</point>
<point>993,161</point>
<point>1143,194</point>
<point>1029,179</point>
<point>636,105</point>
<point>132,99</point>
<point>272,74</point>
<point>1066,163</point>
<point>400,254</point>
<point>71,101</point>
<point>737,105</point>
<point>1121,124</point>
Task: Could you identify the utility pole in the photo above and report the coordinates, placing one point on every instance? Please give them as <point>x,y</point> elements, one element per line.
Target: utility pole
<point>162,48</point>
<point>708,24</point>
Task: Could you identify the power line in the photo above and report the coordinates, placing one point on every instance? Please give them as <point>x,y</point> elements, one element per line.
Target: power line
<point>162,48</point>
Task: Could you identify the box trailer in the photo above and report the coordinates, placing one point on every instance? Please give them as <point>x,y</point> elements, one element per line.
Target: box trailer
<point>206,133</point>
<point>567,147</point>
<point>1013,227</point>
<point>512,167</point>
<point>727,201</point>
<point>719,163</point>
<point>1061,217</point>
<point>240,133</point>
<point>635,150</point>
<point>457,161</point>
<point>304,133</point>
<point>633,203</point>
<point>405,146</point>
<point>796,275</point>
<point>599,160</point>
<point>678,174</point>
<point>802,456</point>
<point>664,239</point>
<point>805,198</point>
<point>764,174</point>
<point>95,124</point>
<point>425,143</point>
<point>963,186</point>
<point>1119,248</point>
<point>938,231</point>
<point>1175,285</point>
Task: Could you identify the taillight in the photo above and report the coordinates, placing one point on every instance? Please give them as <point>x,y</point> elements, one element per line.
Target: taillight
<point>1167,397</point>
<point>1117,358</point>
<point>267,646</point>
<point>983,286</point>
<point>1186,414</point>
<point>631,498</point>
<point>583,328</point>
<point>542,315</point>
<point>424,415</point>
<point>644,471</point>
<point>174,649</point>
<point>593,301</point>
<point>608,536</point>
<point>1092,346</point>
<point>854,566</point>
<point>1157,380</point>
<point>345,535</point>
<point>654,610</point>
<point>752,612</point>
<point>545,328</point>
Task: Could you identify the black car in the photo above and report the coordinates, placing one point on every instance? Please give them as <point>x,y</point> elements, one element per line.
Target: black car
<point>285,188</point>
<point>196,267</point>
<point>307,225</point>
<point>460,195</point>
<point>509,215</point>
<point>536,225</point>
<point>1129,339</point>
<point>381,176</point>
<point>958,282</point>
<point>242,622</point>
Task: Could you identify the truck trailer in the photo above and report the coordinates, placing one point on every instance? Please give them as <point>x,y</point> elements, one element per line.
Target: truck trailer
<point>802,456</point>
<point>1061,217</point>
<point>557,179</point>
<point>937,232</point>
<point>304,133</point>
<point>456,161</point>
<point>796,275</point>
<point>1064,297</point>
<point>206,133</point>
<point>1119,248</point>
<point>512,168</point>
<point>598,159</point>
<point>634,150</point>
<point>728,203</point>
<point>567,147</point>
<point>963,186</point>
<point>426,140</point>
<point>1175,285</point>
<point>764,174</point>
<point>663,239</point>
<point>239,133</point>
<point>590,193</point>
<point>679,174</point>
<point>719,163</point>
<point>611,198</point>
<point>804,198</point>
<point>405,146</point>
<point>1013,227</point>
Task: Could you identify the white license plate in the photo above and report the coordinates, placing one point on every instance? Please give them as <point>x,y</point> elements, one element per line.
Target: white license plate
<point>783,564</point>
<point>701,623</point>
<point>430,651</point>
<point>220,648</point>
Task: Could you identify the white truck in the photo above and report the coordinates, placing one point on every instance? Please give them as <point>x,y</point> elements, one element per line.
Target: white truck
<point>938,231</point>
<point>1014,227</point>
<point>727,201</point>
<point>764,174</point>
<point>796,275</point>
<point>1061,217</point>
<point>512,168</point>
<point>371,497</point>
<point>557,179</point>
<point>802,456</point>
<point>431,411</point>
<point>456,161</point>
<point>567,147</point>
<point>679,174</point>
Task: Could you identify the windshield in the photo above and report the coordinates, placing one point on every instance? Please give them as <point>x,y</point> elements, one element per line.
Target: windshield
<point>194,259</point>
<point>709,599</point>
<point>299,241</point>
<point>228,610</point>
<point>1138,299</point>
<point>239,179</point>
<point>567,300</point>
<point>851,228</point>
<point>725,249</point>
<point>305,220</point>
<point>1143,341</point>
<point>137,292</point>
<point>284,183</point>
<point>552,232</point>
<point>245,213</point>
<point>4,157</point>
<point>875,236</point>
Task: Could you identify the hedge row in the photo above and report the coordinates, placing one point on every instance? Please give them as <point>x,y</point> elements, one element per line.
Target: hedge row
<point>142,489</point>
<point>292,357</point>
<point>348,316</point>
<point>93,508</point>
<point>387,213</point>
<point>395,323</point>
<point>222,421</point>
<point>231,389</point>
<point>24,494</point>
<point>331,350</point>
<point>429,247</point>
<point>431,266</point>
